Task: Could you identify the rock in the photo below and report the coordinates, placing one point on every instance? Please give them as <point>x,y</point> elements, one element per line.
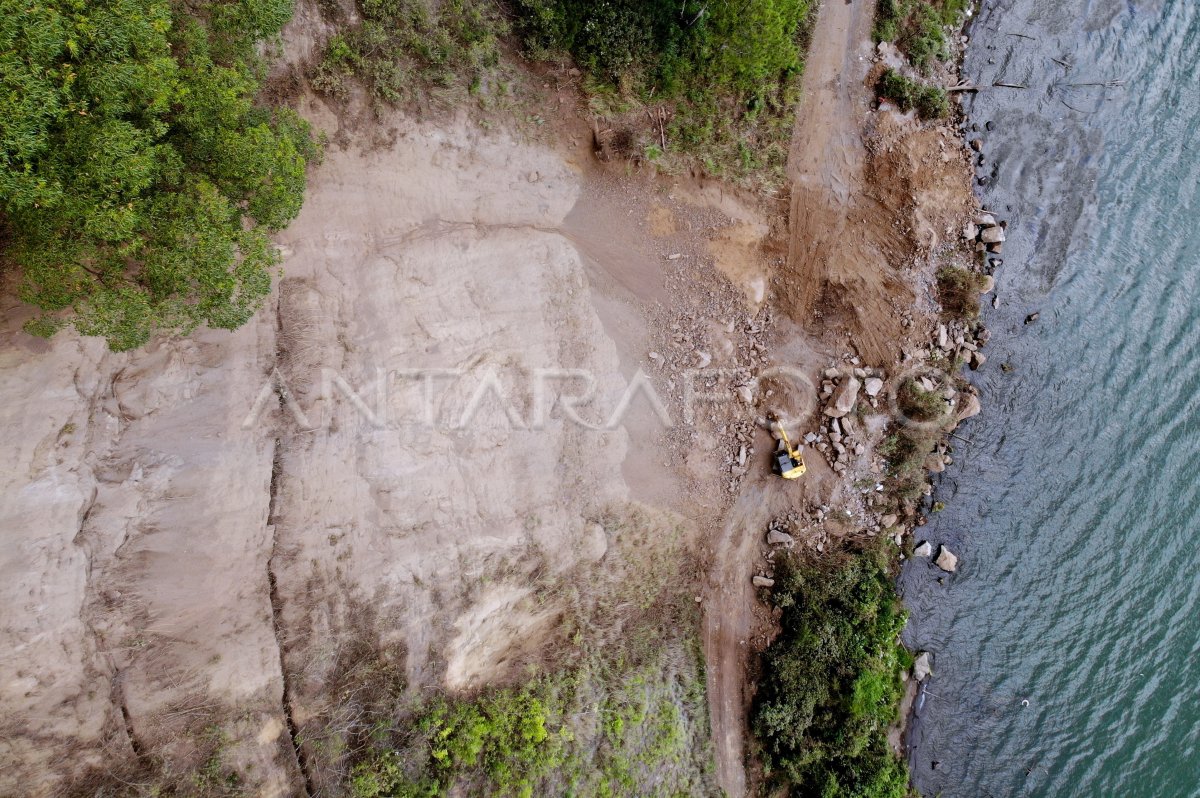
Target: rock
<point>970,231</point>
<point>777,538</point>
<point>810,437</point>
<point>977,360</point>
<point>873,386</point>
<point>889,520</point>
<point>985,220</point>
<point>860,373</point>
<point>922,667</point>
<point>746,394</point>
<point>995,302</point>
<point>654,356</point>
<point>988,285</point>
<point>992,235</point>
<point>846,397</point>
<point>977,145</point>
<point>762,581</point>
<point>935,464</point>
<point>703,359</point>
<point>594,544</point>
<point>994,249</point>
<point>925,549</point>
<point>946,560</point>
<point>969,408</point>
<point>942,336</point>
<point>1032,317</point>
<point>832,374</point>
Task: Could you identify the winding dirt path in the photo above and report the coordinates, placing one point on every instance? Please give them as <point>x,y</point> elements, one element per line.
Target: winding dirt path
<point>826,169</point>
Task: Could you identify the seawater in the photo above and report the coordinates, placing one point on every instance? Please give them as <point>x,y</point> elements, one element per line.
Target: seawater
<point>1067,646</point>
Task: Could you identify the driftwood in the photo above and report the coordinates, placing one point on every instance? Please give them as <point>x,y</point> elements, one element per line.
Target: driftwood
<point>977,87</point>
<point>1022,36</point>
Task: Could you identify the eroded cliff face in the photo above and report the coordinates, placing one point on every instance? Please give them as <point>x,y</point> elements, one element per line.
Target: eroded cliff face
<point>195,532</point>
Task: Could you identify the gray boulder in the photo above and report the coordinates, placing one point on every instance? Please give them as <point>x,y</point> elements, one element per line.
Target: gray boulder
<point>946,560</point>
<point>922,667</point>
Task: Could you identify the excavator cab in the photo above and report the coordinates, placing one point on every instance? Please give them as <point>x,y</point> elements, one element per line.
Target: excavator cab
<point>787,461</point>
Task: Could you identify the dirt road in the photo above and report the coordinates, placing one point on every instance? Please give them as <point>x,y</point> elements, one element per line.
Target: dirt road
<point>826,169</point>
<point>838,248</point>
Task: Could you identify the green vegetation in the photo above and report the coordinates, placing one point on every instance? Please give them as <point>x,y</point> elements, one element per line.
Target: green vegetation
<point>139,180</point>
<point>958,291</point>
<point>918,27</point>
<point>906,449</point>
<point>405,51</point>
<point>599,729</point>
<point>831,681</point>
<point>919,404</point>
<point>930,101</point>
<point>726,73</point>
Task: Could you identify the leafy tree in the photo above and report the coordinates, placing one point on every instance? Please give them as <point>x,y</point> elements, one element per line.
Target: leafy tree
<point>139,180</point>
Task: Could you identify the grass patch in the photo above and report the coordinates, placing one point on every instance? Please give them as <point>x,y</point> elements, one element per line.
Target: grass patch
<point>727,74</point>
<point>409,52</point>
<point>831,682</point>
<point>598,729</point>
<point>930,102</point>
<point>918,28</point>
<point>958,292</point>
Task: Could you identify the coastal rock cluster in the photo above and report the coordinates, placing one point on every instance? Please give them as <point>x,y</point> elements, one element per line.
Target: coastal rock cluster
<point>987,234</point>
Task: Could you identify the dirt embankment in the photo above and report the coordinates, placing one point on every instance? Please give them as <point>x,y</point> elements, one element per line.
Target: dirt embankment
<point>200,531</point>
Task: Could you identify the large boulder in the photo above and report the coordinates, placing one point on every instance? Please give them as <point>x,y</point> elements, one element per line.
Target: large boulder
<point>845,399</point>
<point>969,407</point>
<point>922,667</point>
<point>778,538</point>
<point>946,560</point>
<point>992,235</point>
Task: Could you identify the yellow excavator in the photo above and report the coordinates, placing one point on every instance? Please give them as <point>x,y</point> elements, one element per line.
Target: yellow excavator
<point>787,461</point>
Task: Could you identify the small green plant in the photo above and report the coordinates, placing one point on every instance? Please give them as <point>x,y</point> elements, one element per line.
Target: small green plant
<point>930,102</point>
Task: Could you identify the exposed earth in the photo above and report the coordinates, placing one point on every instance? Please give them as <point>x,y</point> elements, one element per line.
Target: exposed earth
<point>390,451</point>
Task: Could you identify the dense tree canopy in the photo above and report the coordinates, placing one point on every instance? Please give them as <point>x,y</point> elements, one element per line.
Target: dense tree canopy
<point>138,177</point>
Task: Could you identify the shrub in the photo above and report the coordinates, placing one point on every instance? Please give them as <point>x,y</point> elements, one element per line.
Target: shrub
<point>958,291</point>
<point>930,102</point>
<point>918,27</point>
<point>404,51</point>
<point>831,681</point>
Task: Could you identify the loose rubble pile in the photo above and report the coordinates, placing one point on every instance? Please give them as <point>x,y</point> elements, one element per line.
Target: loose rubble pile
<point>841,436</point>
